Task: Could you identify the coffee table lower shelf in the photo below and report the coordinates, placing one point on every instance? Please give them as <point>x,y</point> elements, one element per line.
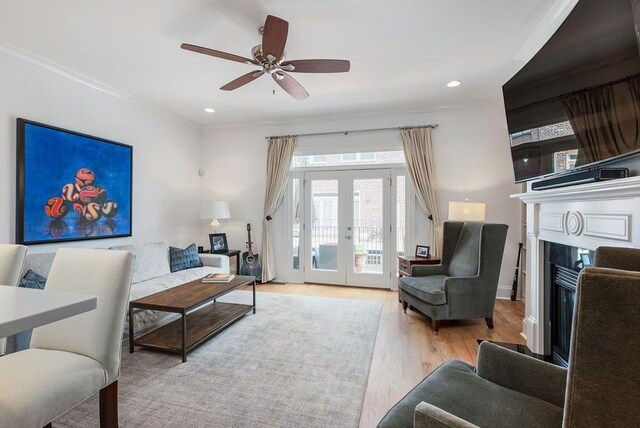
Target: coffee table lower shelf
<point>201,325</point>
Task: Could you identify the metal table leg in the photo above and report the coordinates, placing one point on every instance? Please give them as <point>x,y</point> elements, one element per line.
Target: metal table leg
<point>184,337</point>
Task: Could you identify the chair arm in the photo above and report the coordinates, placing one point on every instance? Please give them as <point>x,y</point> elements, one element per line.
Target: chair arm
<point>428,270</point>
<point>216,260</point>
<point>429,416</point>
<point>522,373</point>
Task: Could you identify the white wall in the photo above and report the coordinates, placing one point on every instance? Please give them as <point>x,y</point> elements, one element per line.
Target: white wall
<point>471,152</point>
<point>471,155</point>
<point>166,154</point>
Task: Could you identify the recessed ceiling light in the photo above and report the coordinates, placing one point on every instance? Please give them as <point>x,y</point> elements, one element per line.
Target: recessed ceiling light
<point>454,83</point>
<point>209,110</point>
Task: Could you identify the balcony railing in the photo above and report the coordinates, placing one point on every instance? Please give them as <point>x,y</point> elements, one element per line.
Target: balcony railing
<point>325,237</point>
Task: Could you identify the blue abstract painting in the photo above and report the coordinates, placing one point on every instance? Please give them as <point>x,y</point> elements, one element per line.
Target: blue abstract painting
<point>71,186</point>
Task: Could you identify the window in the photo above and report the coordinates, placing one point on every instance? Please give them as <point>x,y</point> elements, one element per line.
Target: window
<point>345,159</point>
<point>358,157</point>
<point>401,218</point>
<point>318,160</point>
<point>543,133</point>
<point>295,222</point>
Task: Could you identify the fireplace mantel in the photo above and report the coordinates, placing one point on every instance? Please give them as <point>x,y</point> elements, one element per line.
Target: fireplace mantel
<point>586,216</point>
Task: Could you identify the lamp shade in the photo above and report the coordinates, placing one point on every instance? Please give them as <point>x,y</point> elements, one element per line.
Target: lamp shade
<point>467,211</point>
<point>214,210</point>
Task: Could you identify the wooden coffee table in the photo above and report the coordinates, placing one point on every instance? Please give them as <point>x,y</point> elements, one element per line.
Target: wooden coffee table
<point>197,323</point>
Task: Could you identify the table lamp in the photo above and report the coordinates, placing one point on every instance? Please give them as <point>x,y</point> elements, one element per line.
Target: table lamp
<point>467,211</point>
<point>214,210</point>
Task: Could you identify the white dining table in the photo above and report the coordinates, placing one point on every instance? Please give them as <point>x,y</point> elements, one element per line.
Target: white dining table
<point>24,308</point>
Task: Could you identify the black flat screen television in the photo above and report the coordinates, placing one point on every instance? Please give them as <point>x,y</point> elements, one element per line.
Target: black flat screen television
<point>576,104</point>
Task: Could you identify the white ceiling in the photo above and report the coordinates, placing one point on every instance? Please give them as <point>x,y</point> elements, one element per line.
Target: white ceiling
<point>402,52</point>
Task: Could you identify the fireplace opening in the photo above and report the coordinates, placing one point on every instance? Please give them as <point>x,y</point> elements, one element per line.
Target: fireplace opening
<point>562,266</point>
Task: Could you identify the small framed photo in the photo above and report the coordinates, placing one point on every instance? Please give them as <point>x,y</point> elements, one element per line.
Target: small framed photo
<point>218,243</point>
<point>422,251</point>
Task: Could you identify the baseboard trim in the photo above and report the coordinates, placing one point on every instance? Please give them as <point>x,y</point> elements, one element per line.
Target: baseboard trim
<point>504,292</point>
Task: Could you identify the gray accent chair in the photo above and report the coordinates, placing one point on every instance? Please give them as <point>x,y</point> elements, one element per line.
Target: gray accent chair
<point>508,389</point>
<point>465,284</point>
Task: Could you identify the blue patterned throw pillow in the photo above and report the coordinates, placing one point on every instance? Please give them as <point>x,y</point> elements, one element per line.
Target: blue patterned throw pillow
<point>21,341</point>
<point>180,259</point>
<point>32,280</point>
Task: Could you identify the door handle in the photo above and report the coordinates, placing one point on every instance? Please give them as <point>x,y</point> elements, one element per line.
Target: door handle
<point>348,236</point>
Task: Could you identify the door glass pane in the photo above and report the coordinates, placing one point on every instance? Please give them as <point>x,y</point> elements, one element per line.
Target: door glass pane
<point>401,216</point>
<point>324,225</point>
<point>368,222</point>
<point>295,223</point>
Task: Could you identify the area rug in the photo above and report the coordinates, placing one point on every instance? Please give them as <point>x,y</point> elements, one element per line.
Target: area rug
<point>298,362</point>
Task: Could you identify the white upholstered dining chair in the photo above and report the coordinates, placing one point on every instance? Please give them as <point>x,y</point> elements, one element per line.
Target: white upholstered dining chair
<point>72,359</point>
<point>11,262</point>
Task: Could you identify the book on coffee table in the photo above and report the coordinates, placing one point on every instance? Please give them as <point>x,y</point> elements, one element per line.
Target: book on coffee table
<point>218,278</point>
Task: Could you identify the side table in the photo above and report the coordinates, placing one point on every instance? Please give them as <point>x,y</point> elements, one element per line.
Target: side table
<point>230,253</point>
<point>405,263</point>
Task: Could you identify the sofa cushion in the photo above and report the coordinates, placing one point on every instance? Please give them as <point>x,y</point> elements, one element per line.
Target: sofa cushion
<point>465,261</point>
<point>181,259</point>
<point>152,260</point>
<point>455,388</point>
<point>429,289</point>
<point>38,263</point>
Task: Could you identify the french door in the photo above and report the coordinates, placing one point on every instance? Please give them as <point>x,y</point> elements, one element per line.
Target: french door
<point>347,227</point>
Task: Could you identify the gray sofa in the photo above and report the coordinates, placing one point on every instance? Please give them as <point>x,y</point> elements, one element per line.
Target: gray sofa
<point>465,284</point>
<point>507,389</point>
<point>151,274</point>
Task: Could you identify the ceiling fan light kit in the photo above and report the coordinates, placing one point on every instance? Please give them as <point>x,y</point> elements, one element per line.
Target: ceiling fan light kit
<point>270,55</point>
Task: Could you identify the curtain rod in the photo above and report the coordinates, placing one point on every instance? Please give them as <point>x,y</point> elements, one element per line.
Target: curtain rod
<point>314,134</point>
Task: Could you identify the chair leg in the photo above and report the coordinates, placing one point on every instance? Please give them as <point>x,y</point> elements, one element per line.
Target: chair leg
<point>489,322</point>
<point>405,305</point>
<point>435,325</point>
<point>109,406</point>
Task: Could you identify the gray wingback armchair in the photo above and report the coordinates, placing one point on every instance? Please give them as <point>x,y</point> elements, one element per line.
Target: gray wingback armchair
<point>465,284</point>
<point>508,389</point>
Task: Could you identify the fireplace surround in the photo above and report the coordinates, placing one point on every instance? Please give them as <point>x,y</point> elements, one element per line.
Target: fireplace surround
<point>562,265</point>
<point>584,217</point>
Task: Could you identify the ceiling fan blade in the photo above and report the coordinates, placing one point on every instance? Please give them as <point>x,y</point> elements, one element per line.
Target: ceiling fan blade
<point>318,65</point>
<point>274,37</point>
<point>217,54</point>
<point>242,80</point>
<point>290,85</point>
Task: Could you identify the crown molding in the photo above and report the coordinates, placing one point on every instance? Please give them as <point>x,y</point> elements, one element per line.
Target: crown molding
<point>66,72</point>
<point>549,24</point>
<point>370,114</point>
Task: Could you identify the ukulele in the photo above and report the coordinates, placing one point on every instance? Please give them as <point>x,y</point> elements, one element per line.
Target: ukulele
<point>250,264</point>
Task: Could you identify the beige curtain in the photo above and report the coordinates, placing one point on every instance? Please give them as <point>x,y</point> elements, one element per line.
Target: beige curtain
<point>278,167</point>
<point>418,151</point>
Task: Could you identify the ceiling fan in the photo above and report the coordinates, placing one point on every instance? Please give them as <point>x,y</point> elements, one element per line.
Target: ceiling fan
<point>270,55</point>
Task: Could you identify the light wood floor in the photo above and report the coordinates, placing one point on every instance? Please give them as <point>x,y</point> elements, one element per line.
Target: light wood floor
<point>406,348</point>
